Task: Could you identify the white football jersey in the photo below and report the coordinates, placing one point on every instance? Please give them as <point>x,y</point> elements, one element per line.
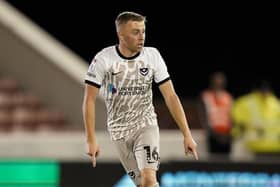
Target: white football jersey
<point>127,87</point>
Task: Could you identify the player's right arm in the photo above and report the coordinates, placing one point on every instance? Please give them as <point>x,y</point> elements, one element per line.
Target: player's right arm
<point>93,80</point>
<point>89,101</point>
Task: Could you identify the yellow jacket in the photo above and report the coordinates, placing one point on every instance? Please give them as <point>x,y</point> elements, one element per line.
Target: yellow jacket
<point>259,117</point>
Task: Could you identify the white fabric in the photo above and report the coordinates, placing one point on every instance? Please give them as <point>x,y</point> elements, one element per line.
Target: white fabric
<point>127,85</point>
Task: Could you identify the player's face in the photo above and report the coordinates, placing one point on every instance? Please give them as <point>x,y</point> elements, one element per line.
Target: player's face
<point>132,36</point>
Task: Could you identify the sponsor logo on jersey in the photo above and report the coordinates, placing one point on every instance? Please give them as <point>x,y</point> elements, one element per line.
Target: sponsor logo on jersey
<point>134,90</point>
<point>112,89</point>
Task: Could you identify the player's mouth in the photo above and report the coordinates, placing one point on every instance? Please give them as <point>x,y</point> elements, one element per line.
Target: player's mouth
<point>140,45</point>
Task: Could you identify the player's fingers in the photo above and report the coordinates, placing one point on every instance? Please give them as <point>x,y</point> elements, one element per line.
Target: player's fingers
<point>188,152</point>
<point>93,159</point>
<point>195,154</point>
<point>97,153</point>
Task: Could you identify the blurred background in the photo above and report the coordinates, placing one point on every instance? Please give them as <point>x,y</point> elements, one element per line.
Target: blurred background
<point>222,60</point>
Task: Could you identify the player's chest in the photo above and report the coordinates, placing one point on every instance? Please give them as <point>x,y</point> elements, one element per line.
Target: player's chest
<point>135,71</point>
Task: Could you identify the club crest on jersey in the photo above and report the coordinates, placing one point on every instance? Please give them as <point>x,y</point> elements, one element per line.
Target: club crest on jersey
<point>144,71</point>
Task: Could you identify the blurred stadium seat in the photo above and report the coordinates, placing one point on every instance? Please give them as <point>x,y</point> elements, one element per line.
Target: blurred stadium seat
<point>23,111</point>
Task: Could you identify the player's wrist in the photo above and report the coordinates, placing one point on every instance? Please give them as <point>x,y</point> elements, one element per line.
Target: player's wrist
<point>188,136</point>
<point>91,140</point>
<point>186,133</point>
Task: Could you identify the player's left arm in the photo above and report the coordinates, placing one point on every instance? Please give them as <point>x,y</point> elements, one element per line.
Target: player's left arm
<point>175,107</point>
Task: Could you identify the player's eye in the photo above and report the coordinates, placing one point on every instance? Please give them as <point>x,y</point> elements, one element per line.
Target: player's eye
<point>135,32</point>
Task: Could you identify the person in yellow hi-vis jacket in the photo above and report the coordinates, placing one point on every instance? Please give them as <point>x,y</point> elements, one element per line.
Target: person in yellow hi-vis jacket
<point>256,118</point>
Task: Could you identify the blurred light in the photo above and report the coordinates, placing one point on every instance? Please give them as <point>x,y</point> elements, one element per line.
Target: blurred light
<point>29,173</point>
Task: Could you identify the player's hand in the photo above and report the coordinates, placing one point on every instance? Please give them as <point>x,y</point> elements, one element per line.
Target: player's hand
<point>190,147</point>
<point>93,152</point>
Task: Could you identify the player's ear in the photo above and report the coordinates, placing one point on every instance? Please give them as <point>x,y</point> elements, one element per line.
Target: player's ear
<point>120,35</point>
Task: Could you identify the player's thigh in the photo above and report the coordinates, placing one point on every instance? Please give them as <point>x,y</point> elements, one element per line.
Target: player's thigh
<point>128,160</point>
<point>146,148</point>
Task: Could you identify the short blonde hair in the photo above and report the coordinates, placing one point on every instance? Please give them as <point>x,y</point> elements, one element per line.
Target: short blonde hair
<point>126,16</point>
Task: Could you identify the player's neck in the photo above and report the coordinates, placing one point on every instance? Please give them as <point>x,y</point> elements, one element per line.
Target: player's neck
<point>125,51</point>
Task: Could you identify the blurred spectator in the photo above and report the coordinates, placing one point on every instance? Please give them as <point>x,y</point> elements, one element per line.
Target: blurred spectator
<point>257,119</point>
<point>215,113</point>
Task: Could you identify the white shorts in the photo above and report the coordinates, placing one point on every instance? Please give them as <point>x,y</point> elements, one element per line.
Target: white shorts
<point>139,151</point>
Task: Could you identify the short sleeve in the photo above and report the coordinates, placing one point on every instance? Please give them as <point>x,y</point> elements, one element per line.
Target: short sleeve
<point>161,74</point>
<point>96,72</point>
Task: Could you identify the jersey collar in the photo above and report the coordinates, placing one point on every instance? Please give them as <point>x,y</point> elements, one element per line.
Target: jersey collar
<point>124,57</point>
